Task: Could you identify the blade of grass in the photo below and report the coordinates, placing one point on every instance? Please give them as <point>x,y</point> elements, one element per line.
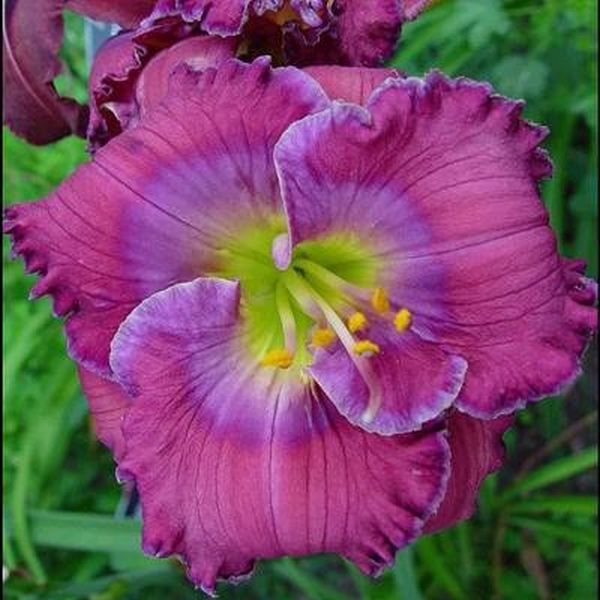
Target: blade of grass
<point>19,523</point>
<point>463,532</point>
<point>405,577</point>
<point>577,505</point>
<point>576,535</point>
<point>554,472</point>
<point>84,531</point>
<point>432,559</point>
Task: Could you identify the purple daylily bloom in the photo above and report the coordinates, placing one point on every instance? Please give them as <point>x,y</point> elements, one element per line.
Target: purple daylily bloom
<point>300,321</point>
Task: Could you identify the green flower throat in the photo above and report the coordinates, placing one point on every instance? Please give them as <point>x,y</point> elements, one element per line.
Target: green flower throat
<point>325,294</point>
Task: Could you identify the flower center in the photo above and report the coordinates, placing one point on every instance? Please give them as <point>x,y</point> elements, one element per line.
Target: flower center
<point>328,293</point>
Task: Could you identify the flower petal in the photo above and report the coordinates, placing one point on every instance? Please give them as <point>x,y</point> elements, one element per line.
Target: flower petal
<point>476,450</point>
<point>127,14</point>
<point>235,462</point>
<point>413,381</point>
<point>350,84</point>
<point>156,202</point>
<point>108,403</point>
<point>198,53</point>
<point>32,36</point>
<point>131,71</point>
<point>441,177</point>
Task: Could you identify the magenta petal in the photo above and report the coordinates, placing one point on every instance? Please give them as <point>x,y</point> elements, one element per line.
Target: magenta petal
<point>157,200</point>
<point>32,109</point>
<point>199,53</point>
<point>350,84</point>
<point>476,450</point>
<point>440,177</point>
<point>235,462</point>
<point>108,403</point>
<point>413,381</point>
<point>127,13</point>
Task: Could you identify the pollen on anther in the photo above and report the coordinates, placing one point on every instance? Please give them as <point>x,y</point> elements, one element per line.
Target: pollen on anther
<point>380,301</point>
<point>322,337</point>
<point>365,348</point>
<point>280,357</point>
<point>357,322</point>
<point>403,319</point>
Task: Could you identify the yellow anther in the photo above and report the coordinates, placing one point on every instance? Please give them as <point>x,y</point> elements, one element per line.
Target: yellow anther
<point>322,337</point>
<point>380,301</point>
<point>403,319</point>
<point>281,358</point>
<point>365,347</point>
<point>357,322</point>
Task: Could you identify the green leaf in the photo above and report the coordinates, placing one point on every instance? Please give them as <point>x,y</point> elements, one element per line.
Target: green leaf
<point>576,505</point>
<point>554,472</point>
<point>436,563</point>
<point>81,531</point>
<point>407,585</point>
<point>576,535</point>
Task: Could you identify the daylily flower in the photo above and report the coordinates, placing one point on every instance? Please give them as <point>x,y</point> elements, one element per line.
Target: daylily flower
<point>284,307</point>
<point>298,31</point>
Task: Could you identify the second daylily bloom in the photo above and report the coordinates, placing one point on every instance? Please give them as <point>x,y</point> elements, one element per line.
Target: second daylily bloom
<point>354,32</point>
<point>275,299</point>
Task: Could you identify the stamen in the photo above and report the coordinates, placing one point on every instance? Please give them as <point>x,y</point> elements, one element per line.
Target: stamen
<point>286,316</point>
<point>380,301</point>
<point>280,357</point>
<point>331,279</point>
<point>365,348</point>
<point>297,283</point>
<point>403,319</point>
<point>357,322</point>
<point>322,337</point>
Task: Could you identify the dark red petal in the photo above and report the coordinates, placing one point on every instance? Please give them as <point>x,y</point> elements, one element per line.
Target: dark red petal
<point>127,13</point>
<point>31,38</point>
<point>476,450</point>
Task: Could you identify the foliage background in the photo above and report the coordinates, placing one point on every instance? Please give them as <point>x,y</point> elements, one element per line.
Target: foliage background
<point>534,533</point>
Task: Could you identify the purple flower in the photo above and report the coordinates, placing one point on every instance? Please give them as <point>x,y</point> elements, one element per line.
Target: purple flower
<point>303,324</point>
